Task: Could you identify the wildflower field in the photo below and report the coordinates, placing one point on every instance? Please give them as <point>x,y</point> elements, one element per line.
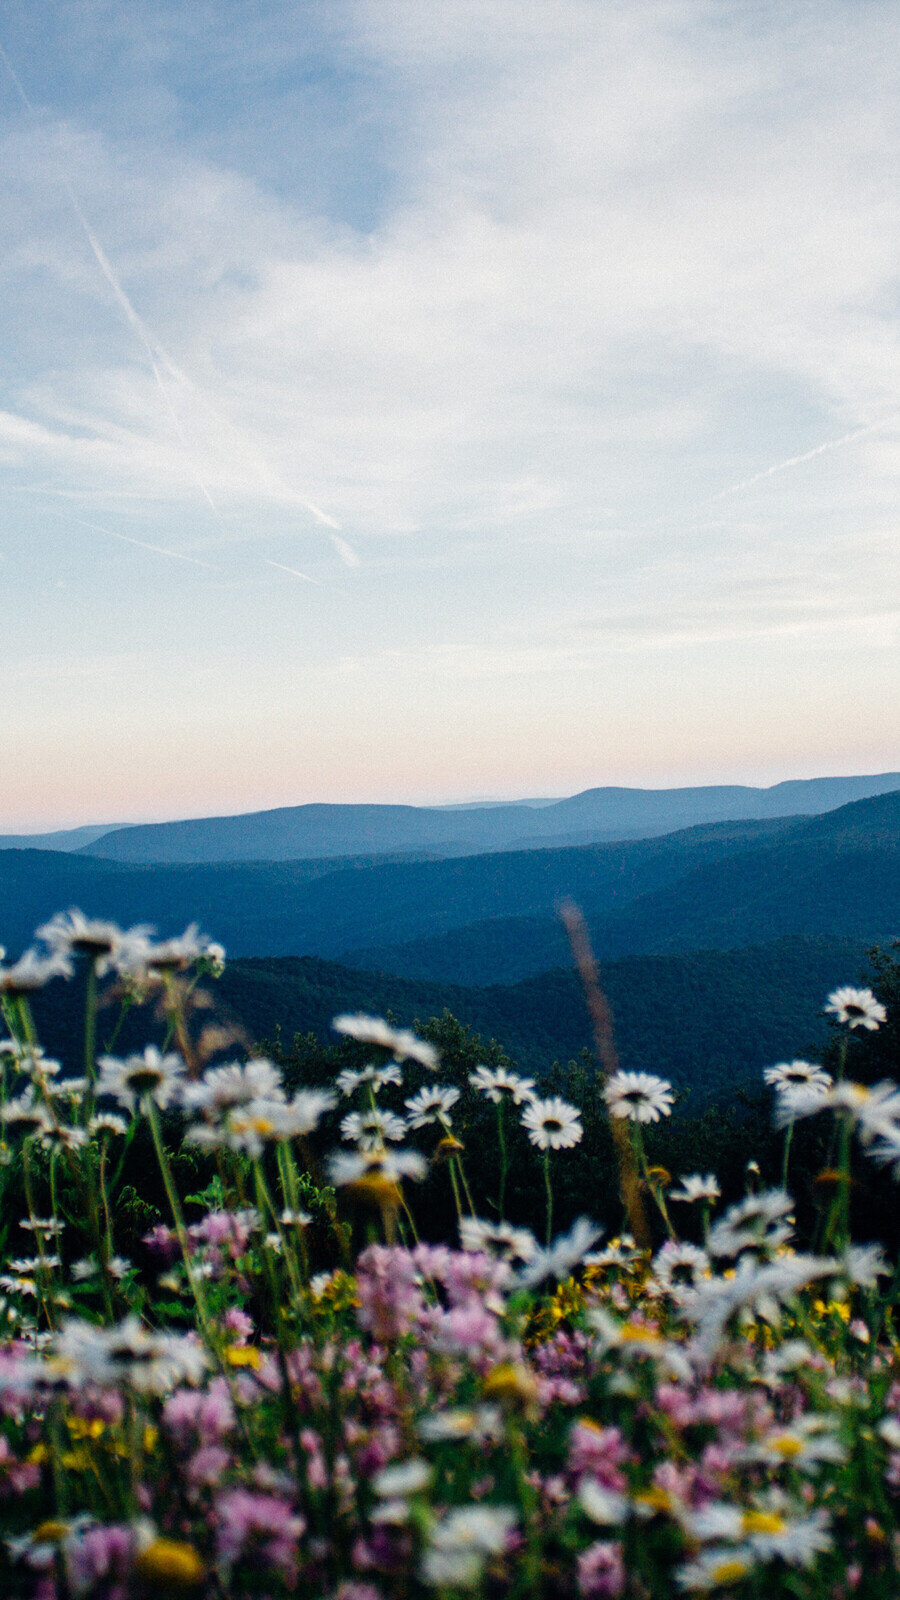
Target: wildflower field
<point>367,1338</point>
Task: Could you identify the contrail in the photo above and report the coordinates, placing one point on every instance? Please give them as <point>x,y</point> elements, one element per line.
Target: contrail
<point>155,351</point>
<point>157,549</point>
<point>345,551</point>
<point>796,461</point>
<point>294,573</point>
<point>122,299</point>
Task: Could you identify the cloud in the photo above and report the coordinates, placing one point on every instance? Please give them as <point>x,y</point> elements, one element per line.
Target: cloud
<point>601,218</point>
<point>347,554</point>
<point>537,317</point>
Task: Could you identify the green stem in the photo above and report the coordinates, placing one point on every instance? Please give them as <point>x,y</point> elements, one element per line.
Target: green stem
<point>181,1232</point>
<point>124,1009</point>
<point>549,1187</point>
<point>643,1166</point>
<point>104,1200</point>
<point>455,1185</point>
<point>787,1150</point>
<point>36,1235</point>
<point>837,1227</point>
<point>501,1136</point>
<point>264,1200</point>
<point>90,1024</point>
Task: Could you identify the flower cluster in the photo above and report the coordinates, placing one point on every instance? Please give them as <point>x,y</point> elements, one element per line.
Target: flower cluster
<point>291,1390</point>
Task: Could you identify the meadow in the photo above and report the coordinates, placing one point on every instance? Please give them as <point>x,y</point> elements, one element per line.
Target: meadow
<point>393,1320</point>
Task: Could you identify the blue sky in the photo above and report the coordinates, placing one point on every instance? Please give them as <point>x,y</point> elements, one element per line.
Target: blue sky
<point>412,402</point>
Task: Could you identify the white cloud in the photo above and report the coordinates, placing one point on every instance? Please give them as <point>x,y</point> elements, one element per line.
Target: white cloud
<point>620,263</point>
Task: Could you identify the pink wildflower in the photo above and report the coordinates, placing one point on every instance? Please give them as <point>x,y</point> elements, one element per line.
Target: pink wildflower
<point>601,1570</point>
<point>205,1414</point>
<point>599,1452</point>
<point>101,1555</point>
<point>162,1241</point>
<point>269,1524</point>
<point>389,1294</point>
<point>239,1324</point>
<point>316,1469</point>
<point>207,1465</point>
<point>16,1476</point>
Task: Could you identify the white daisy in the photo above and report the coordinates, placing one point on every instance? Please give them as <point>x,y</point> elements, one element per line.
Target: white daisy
<point>602,1505</point>
<point>149,1362</point>
<point>47,1227</point>
<point>402,1478</point>
<point>552,1124</point>
<point>431,1105</point>
<point>461,1542</point>
<point>39,1067</point>
<point>863,1264</point>
<point>17,1285</point>
<point>717,1569</point>
<point>108,1122</point>
<point>499,1239</point>
<point>640,1096</point>
<point>769,1532</point>
<point>236,1084</point>
<point>858,1008</point>
<point>401,1042</point>
<point>696,1188</point>
<point>797,1075</point>
<point>30,1264</point>
<point>369,1129</point>
<point>390,1165</point>
<point>499,1084</point>
<point>374,1077</point>
<point>24,1109</point>
<point>56,1136</point>
<point>300,1115</point>
<point>760,1288</point>
<point>632,1340</point>
<point>174,955</point>
<point>72,933</point>
<point>679,1267</point>
<point>565,1253</point>
<point>622,1252</point>
<point>67,1088</point>
<point>760,1223</point>
<point>32,971</point>
<point>140,1078</point>
<point>801,1445</point>
<point>479,1423</point>
<point>249,1127</point>
<point>874,1109</point>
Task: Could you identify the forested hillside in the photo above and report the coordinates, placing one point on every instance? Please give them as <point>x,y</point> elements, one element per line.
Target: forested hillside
<point>710,1020</point>
<point>326,907</point>
<point>832,875</point>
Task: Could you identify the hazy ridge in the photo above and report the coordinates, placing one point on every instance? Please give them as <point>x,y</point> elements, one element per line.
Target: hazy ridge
<point>293,832</point>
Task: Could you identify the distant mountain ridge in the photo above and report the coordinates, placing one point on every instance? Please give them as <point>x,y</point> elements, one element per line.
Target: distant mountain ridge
<point>323,907</point>
<point>321,831</point>
<point>65,839</point>
<point>837,874</point>
<point>722,885</point>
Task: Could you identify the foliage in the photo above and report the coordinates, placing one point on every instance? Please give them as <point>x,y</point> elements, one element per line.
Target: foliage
<point>283,1389</point>
<point>716,1018</point>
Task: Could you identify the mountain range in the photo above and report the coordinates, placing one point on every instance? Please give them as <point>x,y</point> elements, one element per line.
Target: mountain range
<point>321,831</point>
<point>492,917</point>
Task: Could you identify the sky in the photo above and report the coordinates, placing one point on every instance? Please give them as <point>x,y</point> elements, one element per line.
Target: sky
<point>422,403</point>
